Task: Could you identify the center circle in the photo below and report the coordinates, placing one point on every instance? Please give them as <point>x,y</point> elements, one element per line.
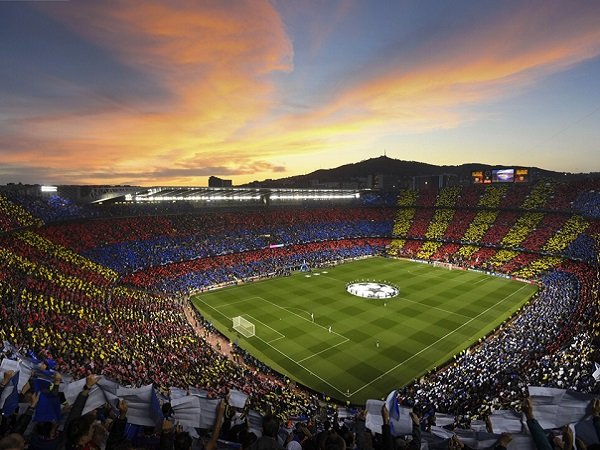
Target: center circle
<point>372,289</point>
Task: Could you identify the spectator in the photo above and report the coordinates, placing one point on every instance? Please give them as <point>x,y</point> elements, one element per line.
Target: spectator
<point>268,440</point>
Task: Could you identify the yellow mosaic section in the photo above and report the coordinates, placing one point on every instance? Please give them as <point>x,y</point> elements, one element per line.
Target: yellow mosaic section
<point>407,197</point>
<point>492,196</point>
<point>502,257</point>
<point>23,217</point>
<point>64,254</point>
<point>403,222</point>
<point>395,246</point>
<point>479,226</point>
<point>521,229</point>
<point>436,229</point>
<point>447,197</point>
<point>11,260</point>
<point>467,250</point>
<point>428,249</point>
<point>538,266</point>
<point>539,195</point>
<point>567,234</point>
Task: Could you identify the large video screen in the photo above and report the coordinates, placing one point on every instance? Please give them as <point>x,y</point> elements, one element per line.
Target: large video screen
<point>503,175</point>
<point>481,177</point>
<point>522,176</point>
<point>477,176</point>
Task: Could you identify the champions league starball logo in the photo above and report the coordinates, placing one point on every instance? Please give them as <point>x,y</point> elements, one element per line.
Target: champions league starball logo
<point>372,289</point>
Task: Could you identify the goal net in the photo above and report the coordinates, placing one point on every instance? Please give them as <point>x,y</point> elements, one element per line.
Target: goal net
<point>444,265</point>
<point>243,326</point>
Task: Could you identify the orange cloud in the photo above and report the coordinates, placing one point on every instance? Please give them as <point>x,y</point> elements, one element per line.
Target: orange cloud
<point>213,59</point>
<point>484,63</point>
<point>216,60</point>
<point>488,62</point>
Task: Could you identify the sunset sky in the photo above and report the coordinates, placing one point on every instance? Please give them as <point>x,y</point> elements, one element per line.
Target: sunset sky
<point>169,92</point>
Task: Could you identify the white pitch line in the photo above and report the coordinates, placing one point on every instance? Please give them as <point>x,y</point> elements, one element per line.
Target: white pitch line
<point>413,301</point>
<point>432,344</point>
<point>284,354</point>
<point>233,303</point>
<point>303,318</point>
<point>281,334</point>
<point>212,307</point>
<point>296,362</point>
<point>318,353</point>
<point>298,309</point>
<point>433,307</point>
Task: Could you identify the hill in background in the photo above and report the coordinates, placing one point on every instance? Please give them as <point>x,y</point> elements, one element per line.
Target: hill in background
<point>388,173</point>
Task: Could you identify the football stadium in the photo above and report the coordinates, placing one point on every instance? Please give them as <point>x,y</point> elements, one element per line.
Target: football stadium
<point>299,225</point>
<point>458,299</point>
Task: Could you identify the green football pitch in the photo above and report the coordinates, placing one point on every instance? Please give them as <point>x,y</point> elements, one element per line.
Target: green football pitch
<point>373,345</point>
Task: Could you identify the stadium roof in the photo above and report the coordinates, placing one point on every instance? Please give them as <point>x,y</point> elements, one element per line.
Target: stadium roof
<point>204,194</point>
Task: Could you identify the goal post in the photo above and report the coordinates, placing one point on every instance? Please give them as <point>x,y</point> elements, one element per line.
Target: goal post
<point>243,326</point>
<point>443,265</point>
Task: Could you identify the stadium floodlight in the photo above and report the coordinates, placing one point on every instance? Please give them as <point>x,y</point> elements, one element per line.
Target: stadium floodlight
<point>243,326</point>
<point>49,189</point>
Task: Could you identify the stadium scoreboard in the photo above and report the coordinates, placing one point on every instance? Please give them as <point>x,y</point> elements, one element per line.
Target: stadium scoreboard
<point>505,175</point>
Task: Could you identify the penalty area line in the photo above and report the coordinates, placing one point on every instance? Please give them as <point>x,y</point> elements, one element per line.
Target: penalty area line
<point>281,335</point>
<point>432,307</point>
<point>216,309</point>
<point>285,354</point>
<point>305,368</point>
<point>232,303</point>
<point>322,351</point>
<point>303,318</point>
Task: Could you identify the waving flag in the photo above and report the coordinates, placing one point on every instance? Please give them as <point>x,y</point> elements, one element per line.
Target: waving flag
<point>9,401</point>
<point>596,373</point>
<point>400,421</point>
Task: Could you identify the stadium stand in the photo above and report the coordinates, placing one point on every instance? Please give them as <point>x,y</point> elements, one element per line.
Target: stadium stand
<point>109,296</point>
<point>13,216</point>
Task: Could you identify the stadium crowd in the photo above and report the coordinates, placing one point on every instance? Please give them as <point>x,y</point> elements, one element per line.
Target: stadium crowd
<point>131,244</point>
<point>13,216</point>
<point>60,294</point>
<point>203,273</point>
<point>494,374</point>
<point>49,209</point>
<point>92,414</point>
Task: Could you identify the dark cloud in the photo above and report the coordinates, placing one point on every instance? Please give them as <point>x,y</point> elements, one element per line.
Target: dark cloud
<point>246,168</point>
<point>44,175</point>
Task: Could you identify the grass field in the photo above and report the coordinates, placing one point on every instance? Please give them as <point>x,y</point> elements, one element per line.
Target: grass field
<point>374,345</point>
